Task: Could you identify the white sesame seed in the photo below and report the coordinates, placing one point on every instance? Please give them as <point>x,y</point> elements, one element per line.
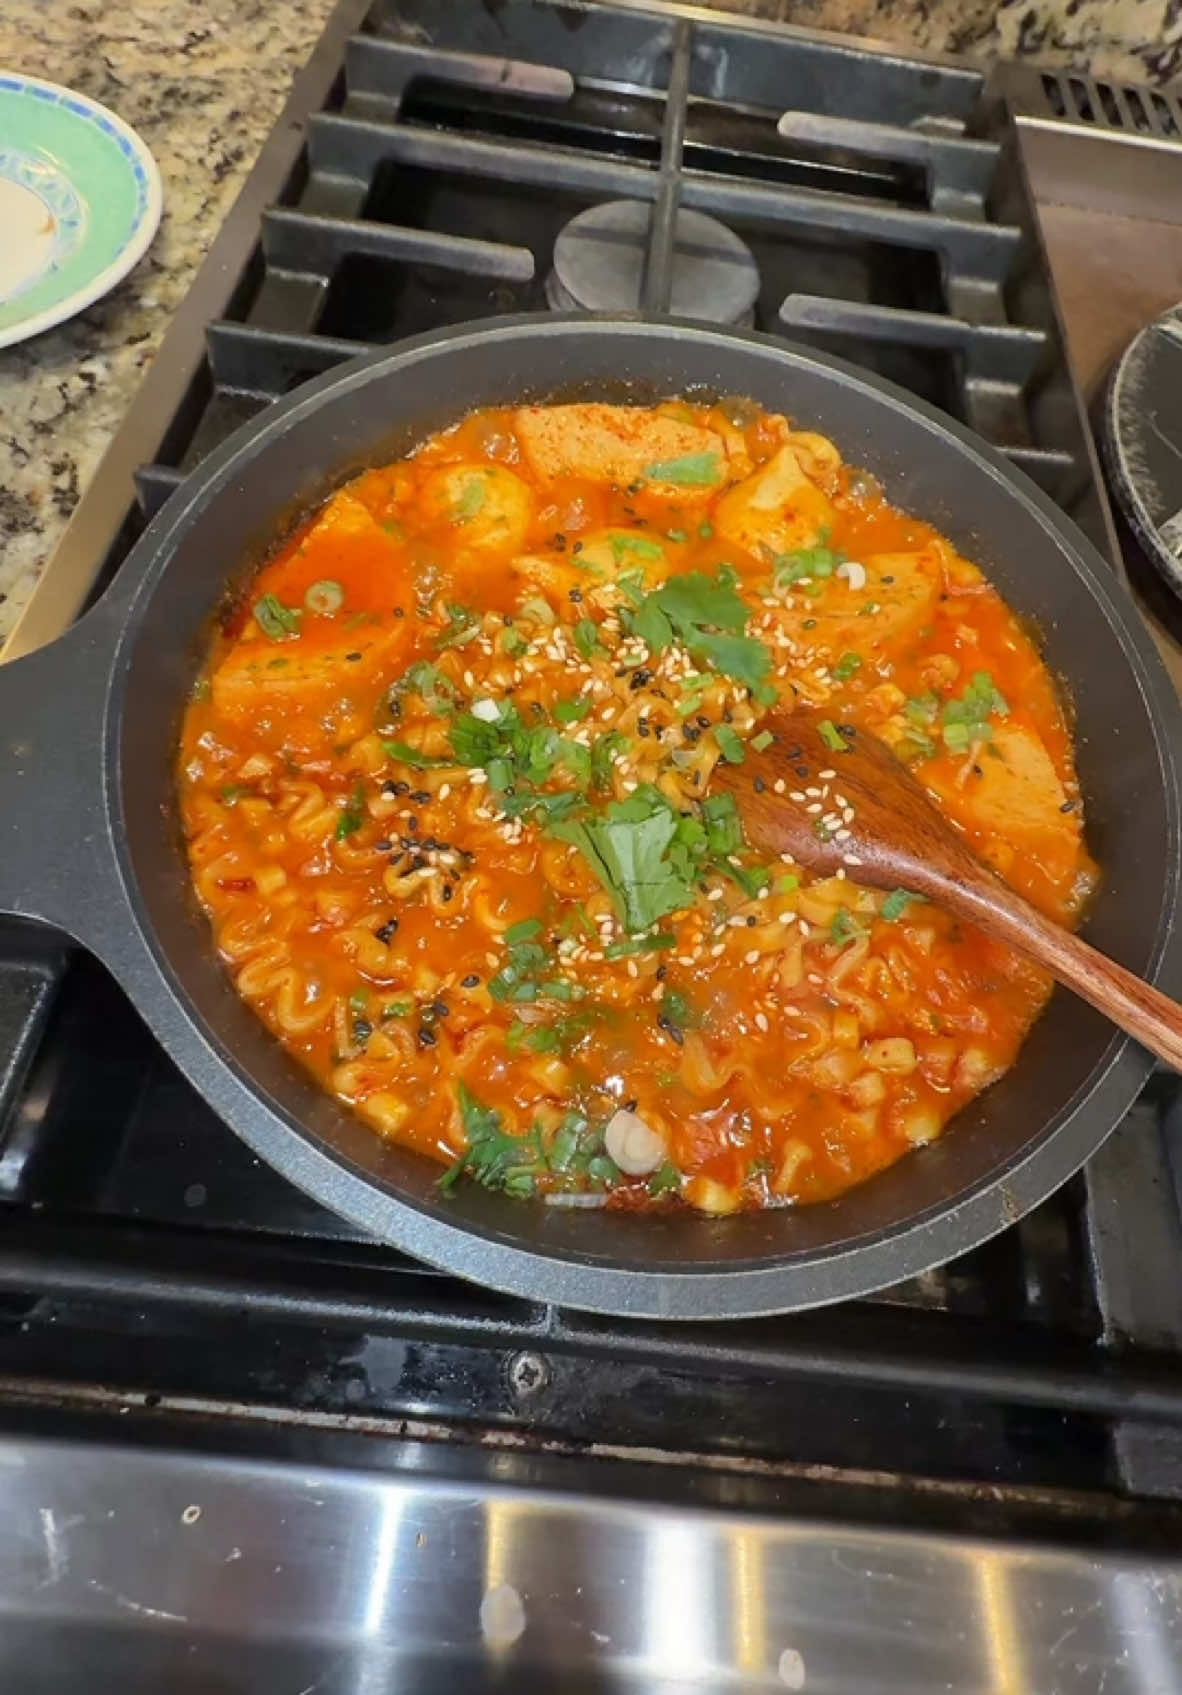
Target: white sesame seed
<point>814,794</point>
<point>751,957</point>
<point>715,894</point>
<point>761,1021</point>
<point>796,794</point>
<point>842,835</point>
<point>444,790</point>
<point>814,807</point>
<point>847,815</point>
<point>826,776</point>
<point>851,859</point>
<point>787,918</point>
<point>717,949</point>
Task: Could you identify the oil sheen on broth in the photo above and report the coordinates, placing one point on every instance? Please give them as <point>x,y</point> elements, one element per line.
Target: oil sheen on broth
<point>446,791</point>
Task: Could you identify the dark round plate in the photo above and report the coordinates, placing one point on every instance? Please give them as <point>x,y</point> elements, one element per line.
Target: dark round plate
<point>1142,440</point>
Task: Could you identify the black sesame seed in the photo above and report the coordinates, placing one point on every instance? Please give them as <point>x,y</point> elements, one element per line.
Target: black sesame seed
<point>471,981</point>
<point>702,721</point>
<point>760,785</point>
<point>662,973</point>
<point>642,726</point>
<point>752,921</point>
<point>448,891</point>
<point>576,595</point>
<point>802,771</point>
<point>399,612</point>
<point>631,1106</point>
<point>387,930</point>
<point>421,795</point>
<point>671,1029</point>
<point>692,734</point>
<point>353,657</point>
<point>401,788</point>
<point>426,1036</point>
<point>639,678</point>
<point>440,1009</point>
<point>577,547</point>
<point>1068,806</point>
<point>384,845</point>
<point>412,823</point>
<point>362,1030</point>
<point>389,788</point>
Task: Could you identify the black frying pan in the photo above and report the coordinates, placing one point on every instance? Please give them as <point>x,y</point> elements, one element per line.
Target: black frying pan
<point>89,839</point>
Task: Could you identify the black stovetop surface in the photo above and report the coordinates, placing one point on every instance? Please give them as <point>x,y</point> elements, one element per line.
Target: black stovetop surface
<point>145,1255</point>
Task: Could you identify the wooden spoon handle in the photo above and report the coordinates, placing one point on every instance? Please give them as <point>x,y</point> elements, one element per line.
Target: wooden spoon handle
<point>1144,1012</point>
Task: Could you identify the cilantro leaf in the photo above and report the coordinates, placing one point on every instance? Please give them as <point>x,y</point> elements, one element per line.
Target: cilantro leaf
<point>707,616</point>
<point>625,846</point>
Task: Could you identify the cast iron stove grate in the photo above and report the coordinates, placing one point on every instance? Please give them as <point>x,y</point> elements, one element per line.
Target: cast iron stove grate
<point>430,159</point>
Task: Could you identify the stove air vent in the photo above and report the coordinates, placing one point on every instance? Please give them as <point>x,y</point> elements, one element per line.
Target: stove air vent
<point>1109,105</point>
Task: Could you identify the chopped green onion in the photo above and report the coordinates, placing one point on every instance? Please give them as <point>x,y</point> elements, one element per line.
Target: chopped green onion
<point>324,597</point>
<point>762,741</point>
<point>729,744</point>
<point>846,666</point>
<point>832,736</point>
<point>278,623</point>
<point>896,904</point>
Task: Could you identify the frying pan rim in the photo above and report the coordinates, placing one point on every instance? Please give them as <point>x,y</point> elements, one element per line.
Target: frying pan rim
<point>1118,1070</point>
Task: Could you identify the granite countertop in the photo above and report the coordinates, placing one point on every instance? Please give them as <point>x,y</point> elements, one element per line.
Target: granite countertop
<point>203,84</point>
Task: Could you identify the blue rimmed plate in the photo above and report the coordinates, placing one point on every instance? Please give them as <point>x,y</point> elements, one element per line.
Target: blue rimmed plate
<point>79,203</point>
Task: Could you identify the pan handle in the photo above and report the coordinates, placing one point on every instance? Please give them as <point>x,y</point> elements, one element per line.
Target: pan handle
<point>57,860</point>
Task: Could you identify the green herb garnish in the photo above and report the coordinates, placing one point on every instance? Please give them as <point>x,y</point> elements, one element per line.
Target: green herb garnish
<point>462,626</point>
<point>278,623</point>
<point>896,904</point>
<point>665,1180</point>
<point>571,711</point>
<point>324,597</point>
<point>692,470</point>
<point>586,637</point>
<point>729,744</point>
<point>846,666</point>
<point>706,615</point>
<point>352,814</point>
<point>471,500</point>
<point>639,547</point>
<point>412,756</point>
<point>845,928</point>
<point>832,736</point>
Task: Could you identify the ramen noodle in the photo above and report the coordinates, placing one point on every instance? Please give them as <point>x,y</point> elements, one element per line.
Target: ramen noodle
<point>446,791</point>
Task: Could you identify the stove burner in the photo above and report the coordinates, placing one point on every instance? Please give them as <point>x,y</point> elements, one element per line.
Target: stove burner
<point>599,265</point>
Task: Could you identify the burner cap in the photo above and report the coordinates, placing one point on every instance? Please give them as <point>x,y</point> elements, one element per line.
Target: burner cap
<point>1142,439</point>
<point>599,263</point>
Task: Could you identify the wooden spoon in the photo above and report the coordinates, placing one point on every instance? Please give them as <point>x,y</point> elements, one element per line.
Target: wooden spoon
<point>897,839</point>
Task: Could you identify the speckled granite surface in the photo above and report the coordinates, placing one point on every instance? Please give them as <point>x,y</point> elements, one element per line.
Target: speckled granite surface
<point>202,83</point>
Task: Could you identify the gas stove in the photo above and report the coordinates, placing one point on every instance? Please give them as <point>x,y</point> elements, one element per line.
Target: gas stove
<point>250,1443</point>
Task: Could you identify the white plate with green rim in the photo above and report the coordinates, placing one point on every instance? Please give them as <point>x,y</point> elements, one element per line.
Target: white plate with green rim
<point>79,202</point>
